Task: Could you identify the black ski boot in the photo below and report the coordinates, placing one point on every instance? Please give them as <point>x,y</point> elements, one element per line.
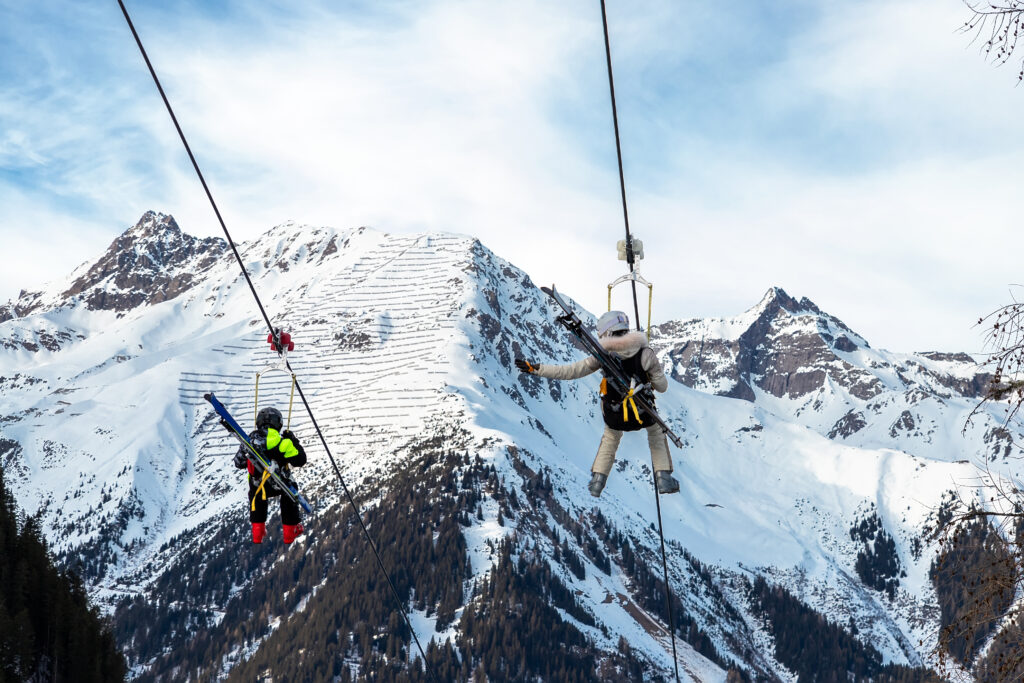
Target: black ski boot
<point>666,482</point>
<point>597,482</point>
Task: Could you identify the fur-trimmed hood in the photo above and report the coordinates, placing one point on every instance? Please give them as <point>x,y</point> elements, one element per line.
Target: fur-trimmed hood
<point>626,345</point>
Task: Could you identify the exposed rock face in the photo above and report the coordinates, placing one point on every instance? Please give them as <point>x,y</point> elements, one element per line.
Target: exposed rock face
<point>785,347</point>
<point>825,373</point>
<point>152,262</point>
<point>27,302</point>
<point>848,424</point>
<point>905,423</point>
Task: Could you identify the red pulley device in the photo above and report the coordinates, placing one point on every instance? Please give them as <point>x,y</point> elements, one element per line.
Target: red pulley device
<point>280,341</point>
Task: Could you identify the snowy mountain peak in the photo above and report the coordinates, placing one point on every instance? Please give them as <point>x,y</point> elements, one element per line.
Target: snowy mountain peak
<point>152,261</point>
<point>782,345</point>
<point>406,347</point>
<point>776,303</point>
<point>784,348</point>
<point>154,224</point>
<point>776,298</point>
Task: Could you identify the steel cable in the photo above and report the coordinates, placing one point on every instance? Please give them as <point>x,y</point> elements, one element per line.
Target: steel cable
<point>266,319</point>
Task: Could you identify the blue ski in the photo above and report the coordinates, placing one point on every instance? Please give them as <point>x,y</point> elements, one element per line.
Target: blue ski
<point>253,453</point>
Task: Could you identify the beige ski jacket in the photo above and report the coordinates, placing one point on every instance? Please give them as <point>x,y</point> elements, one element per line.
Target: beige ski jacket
<point>626,346</point>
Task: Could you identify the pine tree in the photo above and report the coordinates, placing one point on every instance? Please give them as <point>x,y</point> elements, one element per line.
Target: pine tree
<point>48,630</point>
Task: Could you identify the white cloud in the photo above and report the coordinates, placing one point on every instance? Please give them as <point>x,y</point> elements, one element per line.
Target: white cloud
<point>860,155</point>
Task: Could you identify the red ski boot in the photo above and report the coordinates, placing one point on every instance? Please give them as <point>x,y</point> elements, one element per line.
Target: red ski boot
<point>291,532</point>
<point>259,532</point>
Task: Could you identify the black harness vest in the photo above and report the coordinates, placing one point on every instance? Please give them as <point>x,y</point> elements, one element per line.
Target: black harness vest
<point>611,400</point>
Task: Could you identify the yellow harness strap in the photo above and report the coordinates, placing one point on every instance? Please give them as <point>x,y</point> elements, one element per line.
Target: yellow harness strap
<point>260,488</point>
<point>628,403</point>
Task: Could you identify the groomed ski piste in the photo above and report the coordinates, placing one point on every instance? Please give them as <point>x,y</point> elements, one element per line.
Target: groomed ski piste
<point>105,432</point>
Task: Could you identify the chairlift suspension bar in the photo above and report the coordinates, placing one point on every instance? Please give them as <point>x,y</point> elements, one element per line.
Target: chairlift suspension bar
<point>635,277</point>
<point>209,195</point>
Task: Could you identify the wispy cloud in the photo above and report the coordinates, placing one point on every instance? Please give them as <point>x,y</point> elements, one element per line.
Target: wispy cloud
<point>861,155</point>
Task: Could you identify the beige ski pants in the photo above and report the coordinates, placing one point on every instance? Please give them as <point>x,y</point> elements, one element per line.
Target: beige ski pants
<point>656,439</point>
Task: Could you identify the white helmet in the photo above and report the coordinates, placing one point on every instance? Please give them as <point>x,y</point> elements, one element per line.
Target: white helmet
<point>612,321</point>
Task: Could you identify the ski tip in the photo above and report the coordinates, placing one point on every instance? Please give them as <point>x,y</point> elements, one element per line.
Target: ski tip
<point>208,397</point>
<point>548,290</point>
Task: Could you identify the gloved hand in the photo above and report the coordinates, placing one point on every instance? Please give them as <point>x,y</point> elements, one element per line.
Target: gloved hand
<point>525,366</point>
<point>240,460</point>
<point>287,434</point>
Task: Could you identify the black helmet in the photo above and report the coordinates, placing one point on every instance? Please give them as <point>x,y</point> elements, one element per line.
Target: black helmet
<point>269,418</point>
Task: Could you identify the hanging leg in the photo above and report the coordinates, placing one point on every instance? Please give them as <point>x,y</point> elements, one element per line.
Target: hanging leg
<point>290,520</point>
<point>602,466</point>
<point>257,512</point>
<point>661,460</point>
<point>606,451</point>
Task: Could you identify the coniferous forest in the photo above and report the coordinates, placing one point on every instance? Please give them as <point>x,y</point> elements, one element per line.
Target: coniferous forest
<point>820,651</point>
<point>48,629</point>
<point>521,622</point>
<point>973,578</point>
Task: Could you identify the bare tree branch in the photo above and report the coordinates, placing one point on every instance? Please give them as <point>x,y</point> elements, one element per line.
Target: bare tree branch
<point>1002,23</point>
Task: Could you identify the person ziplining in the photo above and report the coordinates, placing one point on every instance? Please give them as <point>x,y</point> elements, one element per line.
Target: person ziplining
<point>282,451</point>
<point>630,368</point>
<point>619,410</point>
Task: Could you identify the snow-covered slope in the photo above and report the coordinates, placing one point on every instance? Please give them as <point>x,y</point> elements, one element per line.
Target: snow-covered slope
<point>795,428</point>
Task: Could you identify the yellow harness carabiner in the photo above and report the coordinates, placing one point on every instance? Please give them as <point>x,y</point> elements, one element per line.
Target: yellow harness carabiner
<point>261,488</point>
<point>628,402</point>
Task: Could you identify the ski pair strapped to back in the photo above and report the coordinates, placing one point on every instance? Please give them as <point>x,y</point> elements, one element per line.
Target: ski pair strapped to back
<point>614,372</point>
<point>263,467</point>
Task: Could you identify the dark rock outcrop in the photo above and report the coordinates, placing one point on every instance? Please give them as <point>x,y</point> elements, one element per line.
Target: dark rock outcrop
<point>790,348</point>
<point>26,303</point>
<point>153,261</point>
<point>848,424</point>
<point>772,353</point>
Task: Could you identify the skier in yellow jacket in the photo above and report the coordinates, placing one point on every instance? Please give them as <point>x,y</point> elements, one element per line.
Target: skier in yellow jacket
<point>283,451</point>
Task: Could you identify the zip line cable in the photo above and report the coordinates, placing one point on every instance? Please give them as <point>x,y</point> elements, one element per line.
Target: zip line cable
<point>266,319</point>
<point>630,256</point>
<point>630,259</point>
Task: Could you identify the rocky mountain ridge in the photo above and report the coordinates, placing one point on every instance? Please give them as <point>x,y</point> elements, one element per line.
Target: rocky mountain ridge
<point>406,345</point>
<point>790,357</point>
<point>152,261</point>
<point>790,349</point>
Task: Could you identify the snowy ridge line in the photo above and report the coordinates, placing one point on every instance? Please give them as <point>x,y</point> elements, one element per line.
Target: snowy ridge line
<point>429,364</point>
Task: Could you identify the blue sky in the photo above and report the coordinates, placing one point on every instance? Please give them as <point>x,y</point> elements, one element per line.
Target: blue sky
<point>863,155</point>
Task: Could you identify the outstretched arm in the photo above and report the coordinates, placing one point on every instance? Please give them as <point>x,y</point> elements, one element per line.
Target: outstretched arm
<point>571,371</point>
